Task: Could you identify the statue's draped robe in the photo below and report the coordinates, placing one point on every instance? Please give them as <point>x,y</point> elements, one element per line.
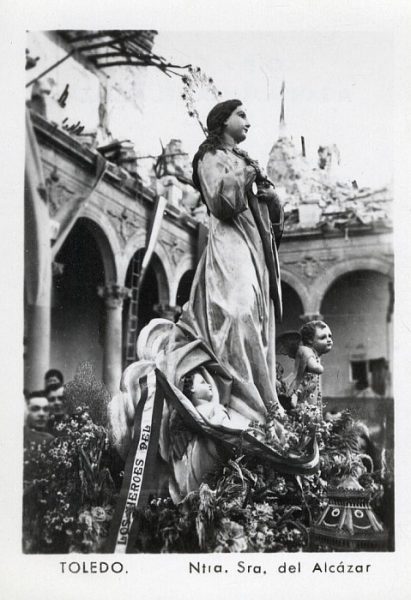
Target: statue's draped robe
<point>228,325</point>
<point>230,306</point>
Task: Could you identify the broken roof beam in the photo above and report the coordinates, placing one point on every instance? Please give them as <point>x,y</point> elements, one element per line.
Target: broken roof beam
<point>123,51</point>
<point>103,55</point>
<point>130,63</point>
<point>70,35</point>
<point>107,42</point>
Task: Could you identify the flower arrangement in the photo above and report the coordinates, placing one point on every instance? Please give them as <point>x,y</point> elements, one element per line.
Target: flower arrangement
<point>68,489</point>
<point>245,506</point>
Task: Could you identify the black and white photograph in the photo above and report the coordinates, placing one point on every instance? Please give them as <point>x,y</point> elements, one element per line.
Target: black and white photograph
<point>208,304</point>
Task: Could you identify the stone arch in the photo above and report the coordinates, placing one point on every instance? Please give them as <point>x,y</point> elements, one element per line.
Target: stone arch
<point>135,243</point>
<point>184,287</point>
<point>154,295</point>
<point>327,279</point>
<point>162,278</point>
<point>157,264</point>
<point>292,309</point>
<point>187,263</point>
<point>299,287</point>
<point>160,262</point>
<point>106,238</point>
<point>356,306</point>
<point>77,311</point>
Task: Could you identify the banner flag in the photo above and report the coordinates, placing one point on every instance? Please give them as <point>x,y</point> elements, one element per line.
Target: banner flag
<point>139,473</point>
<point>152,236</point>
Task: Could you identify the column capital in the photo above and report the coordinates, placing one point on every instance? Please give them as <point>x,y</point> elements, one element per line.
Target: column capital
<point>113,294</point>
<point>306,317</point>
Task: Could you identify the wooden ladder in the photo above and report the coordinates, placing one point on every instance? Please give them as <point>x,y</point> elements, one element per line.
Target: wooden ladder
<point>132,320</point>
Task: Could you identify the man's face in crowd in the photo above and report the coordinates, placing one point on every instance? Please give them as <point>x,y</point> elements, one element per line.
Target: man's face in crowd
<point>38,413</point>
<point>50,380</point>
<point>56,401</point>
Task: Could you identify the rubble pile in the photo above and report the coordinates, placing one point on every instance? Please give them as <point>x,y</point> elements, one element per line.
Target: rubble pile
<point>318,198</point>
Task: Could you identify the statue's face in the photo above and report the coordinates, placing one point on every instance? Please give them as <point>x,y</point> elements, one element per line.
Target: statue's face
<point>323,340</point>
<point>201,390</point>
<point>56,401</point>
<point>237,125</point>
<point>38,413</point>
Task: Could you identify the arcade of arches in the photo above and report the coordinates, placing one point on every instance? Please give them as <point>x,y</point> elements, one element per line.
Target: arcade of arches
<point>356,306</point>
<point>89,315</point>
<point>345,278</point>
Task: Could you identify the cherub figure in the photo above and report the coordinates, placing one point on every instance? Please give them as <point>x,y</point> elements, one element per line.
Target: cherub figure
<point>201,389</point>
<point>306,348</point>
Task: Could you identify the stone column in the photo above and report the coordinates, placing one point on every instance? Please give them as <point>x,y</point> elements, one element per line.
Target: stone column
<point>38,335</point>
<point>113,296</point>
<point>390,339</point>
<point>37,356</point>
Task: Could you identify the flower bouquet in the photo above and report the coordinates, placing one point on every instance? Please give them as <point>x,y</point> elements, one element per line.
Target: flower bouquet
<point>68,489</point>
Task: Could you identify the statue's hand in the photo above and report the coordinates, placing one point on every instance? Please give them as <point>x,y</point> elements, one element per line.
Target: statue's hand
<point>268,194</point>
<point>250,175</point>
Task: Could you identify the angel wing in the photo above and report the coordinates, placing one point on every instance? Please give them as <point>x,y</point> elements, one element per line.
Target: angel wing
<point>287,343</point>
<point>180,435</point>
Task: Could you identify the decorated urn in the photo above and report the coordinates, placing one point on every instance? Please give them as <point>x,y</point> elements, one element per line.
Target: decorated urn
<point>348,522</point>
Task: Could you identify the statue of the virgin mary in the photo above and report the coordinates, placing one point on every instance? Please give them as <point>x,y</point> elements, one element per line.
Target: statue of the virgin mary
<point>216,367</point>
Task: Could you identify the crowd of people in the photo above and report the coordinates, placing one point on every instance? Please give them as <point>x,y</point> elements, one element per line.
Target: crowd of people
<point>45,409</point>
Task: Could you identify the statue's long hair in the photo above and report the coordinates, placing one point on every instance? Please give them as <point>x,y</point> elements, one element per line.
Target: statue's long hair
<point>216,121</point>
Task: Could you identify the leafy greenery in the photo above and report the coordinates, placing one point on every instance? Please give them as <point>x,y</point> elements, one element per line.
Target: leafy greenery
<point>87,390</point>
<point>68,489</point>
<point>244,506</point>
